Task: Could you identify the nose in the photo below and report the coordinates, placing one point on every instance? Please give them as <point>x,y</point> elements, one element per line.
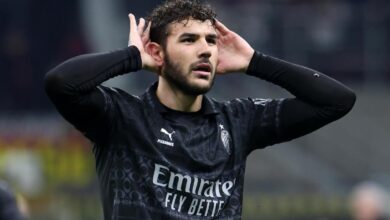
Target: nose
<point>204,49</point>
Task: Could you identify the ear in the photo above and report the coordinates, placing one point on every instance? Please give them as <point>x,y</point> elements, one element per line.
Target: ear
<point>155,50</point>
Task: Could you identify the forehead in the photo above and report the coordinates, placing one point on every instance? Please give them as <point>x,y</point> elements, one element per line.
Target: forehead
<point>191,26</point>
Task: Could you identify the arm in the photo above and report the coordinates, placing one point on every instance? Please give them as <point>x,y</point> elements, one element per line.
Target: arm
<point>73,86</point>
<point>318,100</point>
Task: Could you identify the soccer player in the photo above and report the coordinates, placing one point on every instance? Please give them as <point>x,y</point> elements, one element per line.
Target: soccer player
<point>9,209</point>
<point>173,153</point>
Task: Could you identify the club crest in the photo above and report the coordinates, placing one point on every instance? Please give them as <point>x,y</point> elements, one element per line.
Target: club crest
<point>225,137</point>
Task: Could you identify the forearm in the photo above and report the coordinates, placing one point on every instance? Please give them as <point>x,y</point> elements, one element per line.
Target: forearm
<point>318,99</point>
<point>305,84</point>
<point>82,74</point>
<point>73,87</point>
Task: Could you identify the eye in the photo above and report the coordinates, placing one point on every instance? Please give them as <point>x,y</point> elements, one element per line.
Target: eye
<point>188,40</point>
<point>212,41</point>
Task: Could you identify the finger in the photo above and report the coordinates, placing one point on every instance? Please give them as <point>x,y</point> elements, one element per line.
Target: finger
<point>141,25</point>
<point>147,31</point>
<point>221,27</point>
<point>133,23</point>
<point>145,35</point>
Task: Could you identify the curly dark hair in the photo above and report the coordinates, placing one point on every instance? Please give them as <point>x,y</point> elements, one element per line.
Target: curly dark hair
<point>172,11</point>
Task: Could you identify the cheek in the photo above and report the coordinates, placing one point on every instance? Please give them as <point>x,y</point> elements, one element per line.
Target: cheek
<point>183,61</point>
<point>178,55</point>
<point>214,58</point>
<point>215,53</point>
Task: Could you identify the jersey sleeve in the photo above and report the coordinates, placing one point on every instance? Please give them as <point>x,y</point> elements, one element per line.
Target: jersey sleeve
<point>318,100</point>
<point>75,88</point>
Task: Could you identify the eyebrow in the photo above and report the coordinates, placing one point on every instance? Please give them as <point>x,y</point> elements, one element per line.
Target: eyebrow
<point>192,35</point>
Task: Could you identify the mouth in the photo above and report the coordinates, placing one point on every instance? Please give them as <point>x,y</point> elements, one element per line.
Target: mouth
<point>202,70</point>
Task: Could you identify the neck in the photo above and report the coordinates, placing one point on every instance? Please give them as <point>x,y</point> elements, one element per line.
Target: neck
<point>176,99</point>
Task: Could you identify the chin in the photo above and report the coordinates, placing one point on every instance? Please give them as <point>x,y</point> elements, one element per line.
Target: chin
<point>199,89</point>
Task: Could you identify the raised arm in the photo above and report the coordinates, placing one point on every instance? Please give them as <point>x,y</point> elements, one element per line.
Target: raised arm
<point>318,100</point>
<point>73,86</point>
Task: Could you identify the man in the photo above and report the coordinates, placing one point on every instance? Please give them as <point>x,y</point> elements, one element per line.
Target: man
<point>369,201</point>
<point>9,209</point>
<point>173,153</point>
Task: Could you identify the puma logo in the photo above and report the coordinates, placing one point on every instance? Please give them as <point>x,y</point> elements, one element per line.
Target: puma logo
<point>167,133</point>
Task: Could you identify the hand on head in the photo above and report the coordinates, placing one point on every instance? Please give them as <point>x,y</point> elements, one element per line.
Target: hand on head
<point>234,53</point>
<point>139,37</point>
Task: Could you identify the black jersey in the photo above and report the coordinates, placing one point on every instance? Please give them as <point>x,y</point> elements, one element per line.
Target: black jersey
<point>157,163</point>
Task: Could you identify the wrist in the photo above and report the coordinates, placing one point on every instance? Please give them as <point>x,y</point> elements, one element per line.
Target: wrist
<point>134,55</point>
<point>247,58</point>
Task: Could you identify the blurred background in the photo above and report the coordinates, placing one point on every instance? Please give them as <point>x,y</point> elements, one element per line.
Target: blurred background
<point>324,175</point>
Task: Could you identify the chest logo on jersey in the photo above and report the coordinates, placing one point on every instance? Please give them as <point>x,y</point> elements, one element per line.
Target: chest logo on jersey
<point>168,137</point>
<point>225,137</point>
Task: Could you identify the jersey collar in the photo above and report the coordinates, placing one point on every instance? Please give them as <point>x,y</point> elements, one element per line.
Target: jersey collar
<point>208,106</point>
